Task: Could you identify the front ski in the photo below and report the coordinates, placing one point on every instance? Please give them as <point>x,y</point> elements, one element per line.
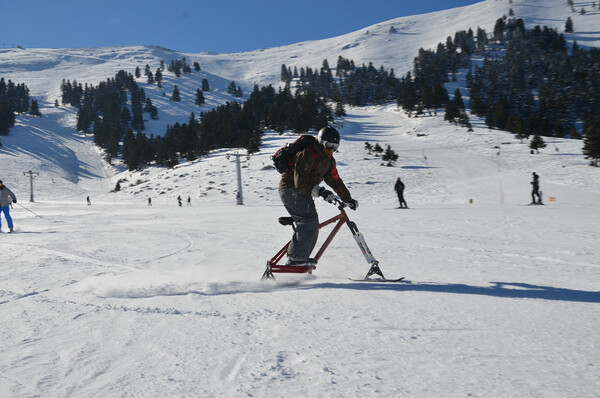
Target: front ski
<point>379,280</point>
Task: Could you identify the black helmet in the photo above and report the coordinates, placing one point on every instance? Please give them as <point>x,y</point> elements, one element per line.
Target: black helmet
<point>329,138</point>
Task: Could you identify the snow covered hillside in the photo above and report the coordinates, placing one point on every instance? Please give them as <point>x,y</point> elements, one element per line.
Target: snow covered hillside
<point>124,299</point>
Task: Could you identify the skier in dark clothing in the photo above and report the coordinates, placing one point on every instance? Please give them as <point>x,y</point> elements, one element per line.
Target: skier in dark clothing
<point>399,188</point>
<point>535,192</point>
<point>312,165</point>
<point>6,197</point>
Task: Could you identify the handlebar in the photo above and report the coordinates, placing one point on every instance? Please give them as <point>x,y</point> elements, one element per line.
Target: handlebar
<point>337,201</point>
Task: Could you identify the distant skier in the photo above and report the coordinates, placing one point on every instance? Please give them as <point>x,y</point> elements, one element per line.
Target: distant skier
<point>189,201</point>
<point>6,197</point>
<point>88,201</point>
<point>149,201</point>
<point>399,188</point>
<point>535,192</point>
<point>179,200</point>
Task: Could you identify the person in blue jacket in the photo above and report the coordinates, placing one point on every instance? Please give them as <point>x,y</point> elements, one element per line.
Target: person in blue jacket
<point>6,196</point>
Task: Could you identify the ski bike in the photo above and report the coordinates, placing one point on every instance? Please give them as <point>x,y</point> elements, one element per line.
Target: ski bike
<point>274,266</point>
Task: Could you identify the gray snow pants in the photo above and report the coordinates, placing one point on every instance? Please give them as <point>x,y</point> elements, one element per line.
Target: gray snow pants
<point>302,209</point>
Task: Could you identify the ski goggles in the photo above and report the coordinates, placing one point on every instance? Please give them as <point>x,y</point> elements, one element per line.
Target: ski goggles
<point>331,145</point>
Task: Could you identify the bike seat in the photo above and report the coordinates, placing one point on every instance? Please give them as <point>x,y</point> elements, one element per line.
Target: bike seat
<point>286,221</point>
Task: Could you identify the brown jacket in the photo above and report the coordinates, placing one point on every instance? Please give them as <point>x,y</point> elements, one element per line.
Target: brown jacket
<point>311,167</point>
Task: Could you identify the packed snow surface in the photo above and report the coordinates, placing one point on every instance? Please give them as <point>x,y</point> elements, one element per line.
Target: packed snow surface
<point>119,298</point>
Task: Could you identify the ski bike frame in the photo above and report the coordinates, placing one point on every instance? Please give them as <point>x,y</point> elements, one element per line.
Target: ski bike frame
<point>273,265</point>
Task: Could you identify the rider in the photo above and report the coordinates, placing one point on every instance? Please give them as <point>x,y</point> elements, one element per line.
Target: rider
<point>297,188</point>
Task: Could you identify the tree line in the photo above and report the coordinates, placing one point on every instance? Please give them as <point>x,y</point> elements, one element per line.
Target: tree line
<point>527,82</point>
<point>231,125</point>
<point>14,99</point>
<point>103,110</point>
<point>351,85</point>
<point>113,111</point>
<point>538,85</point>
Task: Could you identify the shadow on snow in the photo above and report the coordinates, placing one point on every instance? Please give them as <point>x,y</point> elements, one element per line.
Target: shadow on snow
<point>497,289</point>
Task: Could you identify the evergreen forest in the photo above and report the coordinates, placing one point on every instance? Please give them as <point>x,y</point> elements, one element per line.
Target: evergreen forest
<point>14,99</point>
<point>528,82</point>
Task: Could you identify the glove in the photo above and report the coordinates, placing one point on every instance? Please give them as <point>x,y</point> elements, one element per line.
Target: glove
<point>353,204</point>
<point>326,194</point>
<point>14,201</point>
<point>322,192</point>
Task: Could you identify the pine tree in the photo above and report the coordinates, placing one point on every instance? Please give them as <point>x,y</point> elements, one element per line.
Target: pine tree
<point>452,111</point>
<point>536,143</point>
<point>253,145</point>
<point>377,149</point>
<point>199,97</point>
<point>154,113</point>
<point>205,85</point>
<point>34,109</point>
<point>285,75</point>
<point>175,96</point>
<point>518,129</point>
<point>408,99</point>
<point>130,151</point>
<point>339,109</point>
<point>231,89</point>
<point>389,156</point>
<point>591,144</point>
<point>137,117</point>
<point>7,117</point>
<point>148,105</point>
<point>151,109</point>
<point>569,25</point>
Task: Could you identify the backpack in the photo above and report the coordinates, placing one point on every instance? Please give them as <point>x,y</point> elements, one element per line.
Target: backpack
<point>282,159</point>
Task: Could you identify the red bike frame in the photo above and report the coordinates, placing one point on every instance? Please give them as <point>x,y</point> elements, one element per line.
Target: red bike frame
<point>273,265</point>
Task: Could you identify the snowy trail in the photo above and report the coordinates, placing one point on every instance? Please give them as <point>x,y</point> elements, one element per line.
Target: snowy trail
<point>503,298</point>
<point>180,324</point>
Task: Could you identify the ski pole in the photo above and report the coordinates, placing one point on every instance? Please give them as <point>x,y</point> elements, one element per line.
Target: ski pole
<point>37,215</point>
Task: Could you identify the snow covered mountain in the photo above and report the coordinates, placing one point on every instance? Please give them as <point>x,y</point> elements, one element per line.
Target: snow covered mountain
<point>43,70</point>
<point>124,299</point>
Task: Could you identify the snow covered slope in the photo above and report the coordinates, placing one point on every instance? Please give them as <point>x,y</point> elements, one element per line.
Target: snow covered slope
<point>377,44</point>
<point>123,299</point>
<point>43,70</point>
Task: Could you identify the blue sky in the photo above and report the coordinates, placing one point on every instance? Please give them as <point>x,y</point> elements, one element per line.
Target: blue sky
<point>194,26</point>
